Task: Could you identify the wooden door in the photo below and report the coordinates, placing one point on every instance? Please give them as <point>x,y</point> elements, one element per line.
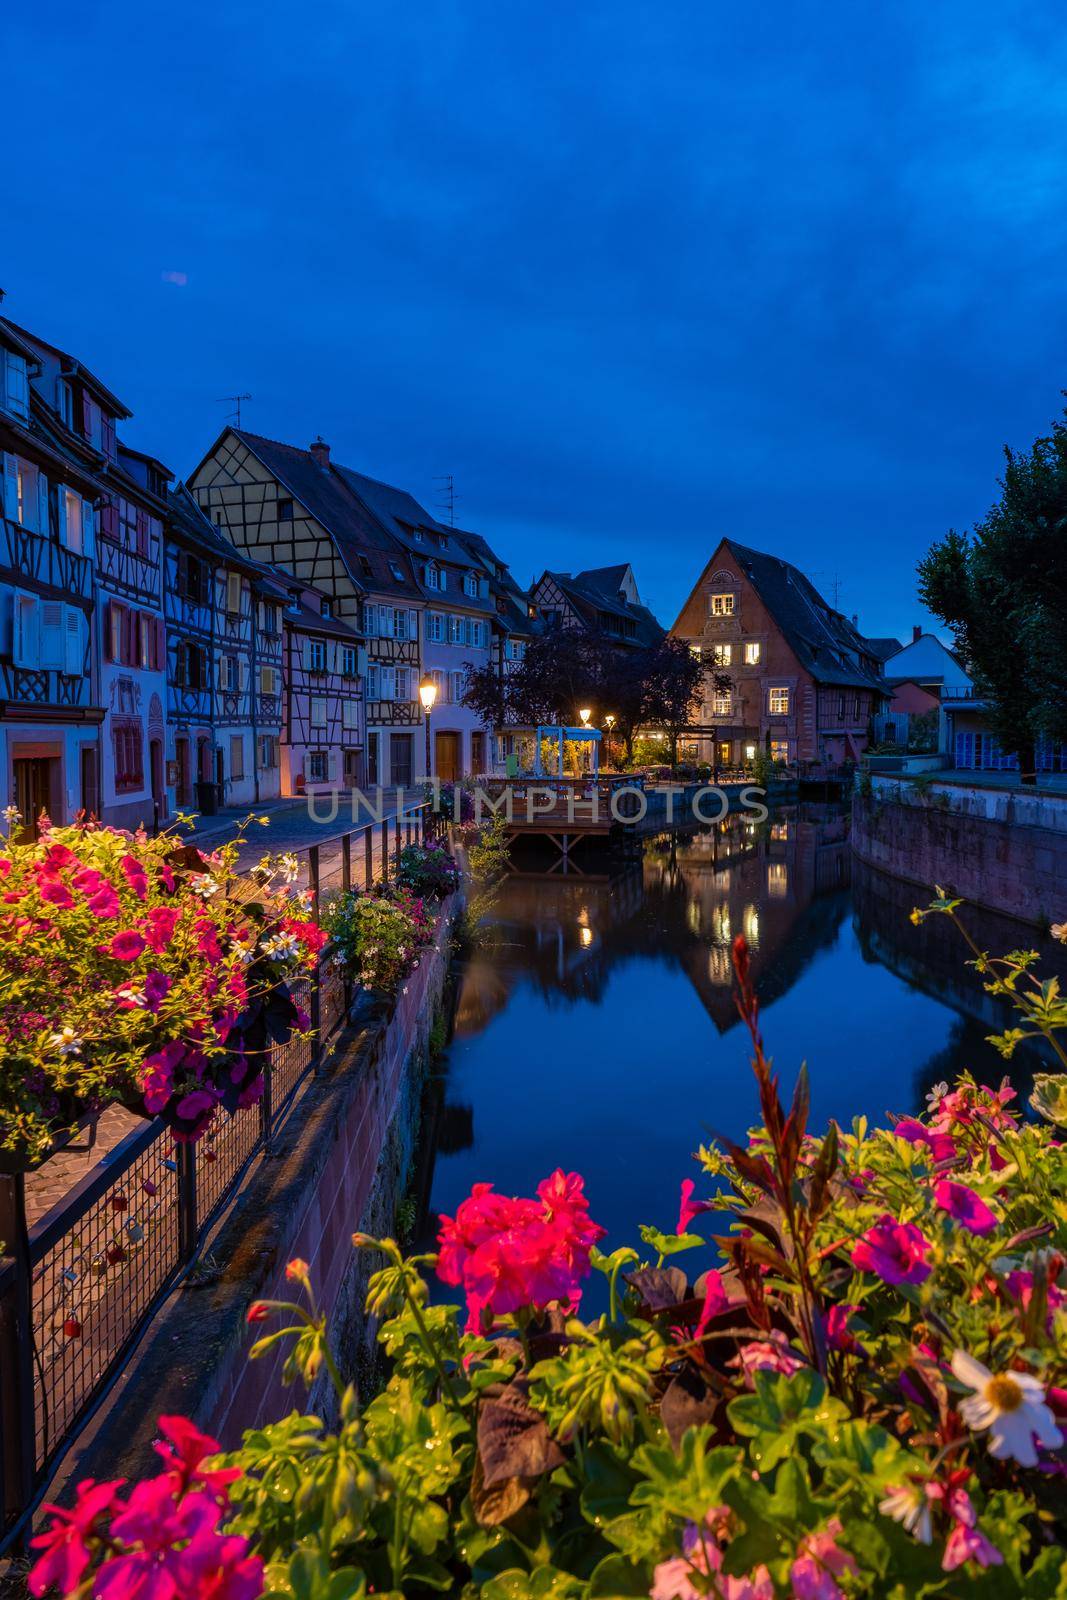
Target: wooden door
<point>447,763</point>
<point>400,759</point>
<point>33,791</point>
<point>477,753</point>
<point>90,782</point>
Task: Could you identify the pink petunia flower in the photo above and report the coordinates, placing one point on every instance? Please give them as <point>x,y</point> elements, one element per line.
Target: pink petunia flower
<point>159,926</point>
<point>715,1300</point>
<point>688,1208</point>
<point>55,893</point>
<point>65,1551</point>
<point>135,876</point>
<point>838,1336</point>
<point>183,1449</point>
<point>219,1567</point>
<point>774,1354</point>
<point>968,1208</point>
<point>105,903</point>
<point>941,1146</point>
<point>893,1251</point>
<point>126,946</point>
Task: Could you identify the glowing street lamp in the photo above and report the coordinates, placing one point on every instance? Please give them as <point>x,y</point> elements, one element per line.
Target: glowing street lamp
<point>428,694</point>
<point>585,715</point>
<point>609,723</point>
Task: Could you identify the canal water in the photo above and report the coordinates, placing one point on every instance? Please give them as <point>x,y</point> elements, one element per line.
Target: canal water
<point>596,1029</point>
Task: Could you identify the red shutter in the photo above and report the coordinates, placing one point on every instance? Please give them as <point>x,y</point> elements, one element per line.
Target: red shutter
<point>109,437</point>
<point>161,645</point>
<point>127,637</point>
<point>109,520</point>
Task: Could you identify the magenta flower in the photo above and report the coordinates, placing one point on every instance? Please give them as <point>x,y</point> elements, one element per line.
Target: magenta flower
<point>56,893</point>
<point>105,903</point>
<point>156,987</point>
<point>125,946</point>
<point>969,1544</point>
<point>838,1336</point>
<point>218,1567</point>
<point>65,1551</point>
<point>942,1146</point>
<point>715,1300</point>
<point>894,1251</point>
<point>135,876</point>
<point>688,1208</point>
<point>159,927</point>
<point>157,1075</point>
<point>965,1206</point>
<point>183,1450</point>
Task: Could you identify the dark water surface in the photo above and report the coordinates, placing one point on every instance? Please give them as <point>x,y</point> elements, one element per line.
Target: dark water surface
<point>596,1027</point>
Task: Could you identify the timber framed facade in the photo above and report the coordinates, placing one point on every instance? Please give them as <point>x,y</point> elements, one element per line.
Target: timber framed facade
<point>323,740</point>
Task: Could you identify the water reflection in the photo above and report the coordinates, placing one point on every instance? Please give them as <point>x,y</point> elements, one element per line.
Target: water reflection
<point>596,1028</point>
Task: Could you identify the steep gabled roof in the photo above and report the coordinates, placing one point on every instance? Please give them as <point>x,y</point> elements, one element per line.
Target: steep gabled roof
<point>591,601</point>
<point>70,364</point>
<point>187,521</point>
<point>823,640</point>
<point>883,648</point>
<point>374,558</point>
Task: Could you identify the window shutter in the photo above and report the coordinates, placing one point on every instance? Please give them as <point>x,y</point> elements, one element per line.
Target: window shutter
<point>307,655</point>
<point>52,650</point>
<point>109,519</point>
<point>142,533</point>
<point>108,434</point>
<point>127,637</point>
<point>42,504</point>
<point>74,641</point>
<point>24,653</point>
<point>11,486</point>
<point>388,683</point>
<point>385,624</point>
<point>374,680</point>
<point>87,415</point>
<point>413,625</point>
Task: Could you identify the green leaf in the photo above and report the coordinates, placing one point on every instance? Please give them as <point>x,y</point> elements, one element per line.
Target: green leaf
<point>671,1244</point>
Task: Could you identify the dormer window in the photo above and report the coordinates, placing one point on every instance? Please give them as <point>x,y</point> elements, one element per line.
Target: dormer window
<point>395,570</point>
<point>285,511</point>
<point>721,605</point>
<point>418,535</point>
<point>470,583</point>
<point>327,609</point>
<point>294,600</point>
<point>365,567</point>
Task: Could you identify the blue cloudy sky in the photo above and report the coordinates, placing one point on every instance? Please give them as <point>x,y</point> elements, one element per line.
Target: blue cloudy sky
<point>637,274</point>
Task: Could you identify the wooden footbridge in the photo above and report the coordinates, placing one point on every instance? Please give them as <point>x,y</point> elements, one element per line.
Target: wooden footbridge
<point>567,812</point>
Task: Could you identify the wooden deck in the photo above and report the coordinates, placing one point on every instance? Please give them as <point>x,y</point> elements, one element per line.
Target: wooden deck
<point>564,811</point>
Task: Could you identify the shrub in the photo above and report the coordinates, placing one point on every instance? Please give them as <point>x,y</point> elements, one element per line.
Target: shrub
<point>855,1392</point>
<point>377,937</point>
<point>427,870</point>
<point>139,970</point>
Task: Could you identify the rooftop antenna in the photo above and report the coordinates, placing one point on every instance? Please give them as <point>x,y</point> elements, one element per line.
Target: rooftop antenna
<point>235,401</point>
<point>447,500</point>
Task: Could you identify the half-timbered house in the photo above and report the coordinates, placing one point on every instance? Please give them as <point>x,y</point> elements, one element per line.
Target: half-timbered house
<point>224,665</point>
<point>602,601</point>
<point>297,511</point>
<point>50,705</point>
<point>323,735</point>
<point>804,682</point>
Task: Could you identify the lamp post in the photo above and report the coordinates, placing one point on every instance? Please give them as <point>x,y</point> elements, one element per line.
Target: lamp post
<point>609,723</point>
<point>428,694</point>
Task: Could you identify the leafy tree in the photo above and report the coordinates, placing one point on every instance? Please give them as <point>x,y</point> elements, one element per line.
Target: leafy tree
<point>1003,592</point>
<point>674,687</point>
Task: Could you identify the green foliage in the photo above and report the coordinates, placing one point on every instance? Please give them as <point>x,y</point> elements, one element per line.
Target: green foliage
<point>1002,591</point>
<point>798,1407</point>
<point>377,937</point>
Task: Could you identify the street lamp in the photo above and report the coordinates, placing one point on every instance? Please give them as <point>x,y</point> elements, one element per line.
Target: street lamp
<point>609,723</point>
<point>585,715</point>
<point>428,694</point>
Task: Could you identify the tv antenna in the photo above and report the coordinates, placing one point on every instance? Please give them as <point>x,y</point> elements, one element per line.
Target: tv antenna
<point>235,401</point>
<point>447,500</point>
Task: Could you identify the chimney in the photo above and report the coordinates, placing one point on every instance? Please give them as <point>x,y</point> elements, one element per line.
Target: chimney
<point>916,633</point>
<point>320,453</point>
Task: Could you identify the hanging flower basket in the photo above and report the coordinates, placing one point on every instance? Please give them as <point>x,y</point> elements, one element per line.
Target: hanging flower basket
<point>141,972</point>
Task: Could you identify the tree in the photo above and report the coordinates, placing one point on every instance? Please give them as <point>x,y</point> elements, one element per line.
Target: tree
<point>674,687</point>
<point>1003,592</point>
<point>561,671</point>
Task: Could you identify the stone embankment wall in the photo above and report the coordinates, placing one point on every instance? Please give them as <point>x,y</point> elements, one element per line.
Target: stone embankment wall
<point>342,1162</point>
<point>995,847</point>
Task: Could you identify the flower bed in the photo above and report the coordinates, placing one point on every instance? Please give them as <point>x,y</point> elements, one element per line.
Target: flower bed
<point>139,970</point>
<point>856,1387</point>
<point>378,937</point>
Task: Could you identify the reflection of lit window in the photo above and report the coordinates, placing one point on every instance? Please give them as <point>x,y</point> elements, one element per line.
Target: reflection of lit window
<point>779,830</point>
<point>752,925</point>
<point>587,936</point>
<point>719,964</point>
<point>777,877</point>
<point>721,922</point>
<point>692,916</point>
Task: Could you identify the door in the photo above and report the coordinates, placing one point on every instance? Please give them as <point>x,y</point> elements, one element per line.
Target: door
<point>181,756</point>
<point>477,754</point>
<point>155,766</point>
<point>400,759</point>
<point>90,782</point>
<point>35,783</point>
<point>447,764</point>
<point>373,772</point>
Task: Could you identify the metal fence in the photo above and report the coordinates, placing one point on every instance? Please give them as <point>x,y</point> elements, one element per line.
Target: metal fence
<point>80,1287</point>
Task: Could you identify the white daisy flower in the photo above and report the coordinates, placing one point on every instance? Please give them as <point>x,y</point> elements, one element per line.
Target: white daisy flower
<point>1011,1405</point>
<point>203,884</point>
<point>66,1041</point>
<point>907,1503</point>
<point>936,1095</point>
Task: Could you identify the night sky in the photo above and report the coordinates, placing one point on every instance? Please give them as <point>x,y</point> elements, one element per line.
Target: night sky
<point>638,275</point>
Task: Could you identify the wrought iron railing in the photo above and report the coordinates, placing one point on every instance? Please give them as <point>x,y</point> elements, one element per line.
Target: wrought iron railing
<point>80,1286</point>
